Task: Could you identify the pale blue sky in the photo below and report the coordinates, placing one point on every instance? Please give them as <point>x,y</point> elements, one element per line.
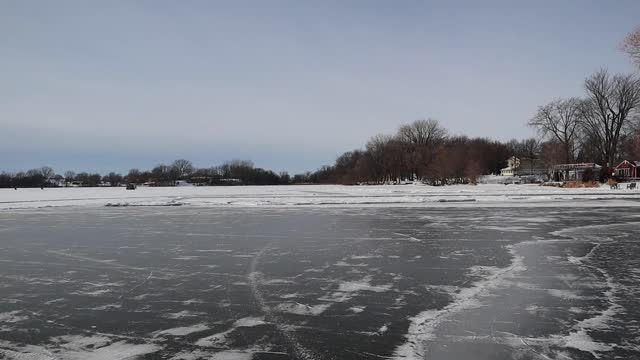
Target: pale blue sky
<point>90,85</point>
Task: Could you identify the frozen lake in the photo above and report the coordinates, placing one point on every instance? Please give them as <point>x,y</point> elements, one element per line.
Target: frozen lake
<point>317,282</point>
<point>322,196</point>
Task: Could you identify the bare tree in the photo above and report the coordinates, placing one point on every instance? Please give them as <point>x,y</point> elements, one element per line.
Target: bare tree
<point>608,110</point>
<point>396,161</point>
<point>376,149</point>
<point>515,148</point>
<point>552,153</point>
<point>161,174</point>
<point>69,176</point>
<point>631,45</point>
<point>237,169</point>
<point>531,148</point>
<point>349,169</point>
<point>182,168</point>
<point>114,179</point>
<point>472,170</point>
<point>285,178</point>
<point>422,132</point>
<point>134,176</point>
<point>631,145</point>
<point>634,148</point>
<point>527,148</point>
<point>422,139</point>
<point>47,172</point>
<point>450,161</point>
<point>559,121</point>
<point>94,179</point>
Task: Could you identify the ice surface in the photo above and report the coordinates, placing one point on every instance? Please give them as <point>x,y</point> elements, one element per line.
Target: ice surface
<point>220,339</point>
<point>525,281</point>
<point>424,324</point>
<point>118,350</point>
<point>232,355</point>
<point>579,337</point>
<point>317,195</point>
<point>77,347</point>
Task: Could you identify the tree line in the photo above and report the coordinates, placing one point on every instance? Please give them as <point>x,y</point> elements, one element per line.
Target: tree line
<point>235,172</point>
<point>602,126</point>
<point>423,151</point>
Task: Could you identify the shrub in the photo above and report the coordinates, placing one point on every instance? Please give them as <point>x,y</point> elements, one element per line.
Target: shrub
<point>588,175</point>
<point>579,184</point>
<point>605,174</point>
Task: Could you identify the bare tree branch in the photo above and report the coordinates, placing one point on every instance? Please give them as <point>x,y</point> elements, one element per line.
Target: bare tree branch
<point>610,107</point>
<point>559,120</point>
<point>631,45</point>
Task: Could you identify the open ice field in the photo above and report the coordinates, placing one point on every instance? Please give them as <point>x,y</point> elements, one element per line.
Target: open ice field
<point>321,195</point>
<point>320,272</point>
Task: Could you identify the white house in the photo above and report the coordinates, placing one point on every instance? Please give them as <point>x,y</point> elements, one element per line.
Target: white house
<point>523,167</point>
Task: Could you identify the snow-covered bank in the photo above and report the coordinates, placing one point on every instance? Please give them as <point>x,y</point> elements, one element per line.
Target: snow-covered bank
<point>320,195</point>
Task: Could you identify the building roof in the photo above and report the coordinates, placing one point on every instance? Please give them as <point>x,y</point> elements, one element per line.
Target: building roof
<point>576,166</point>
<point>632,163</point>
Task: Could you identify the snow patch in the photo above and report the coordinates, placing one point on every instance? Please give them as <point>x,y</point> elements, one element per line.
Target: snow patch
<point>363,285</point>
<point>318,195</point>
<point>220,339</point>
<point>12,317</point>
<point>182,330</point>
<point>301,309</point>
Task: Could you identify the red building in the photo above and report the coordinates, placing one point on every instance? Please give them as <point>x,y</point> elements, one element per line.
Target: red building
<point>628,169</point>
